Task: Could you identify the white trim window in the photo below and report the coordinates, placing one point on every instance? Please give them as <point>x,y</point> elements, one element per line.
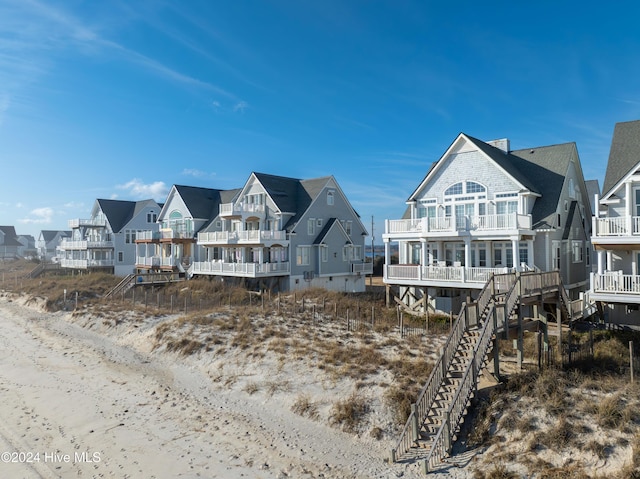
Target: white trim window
<point>311,226</point>
<point>303,255</point>
<point>578,251</point>
<point>330,197</point>
<point>324,253</point>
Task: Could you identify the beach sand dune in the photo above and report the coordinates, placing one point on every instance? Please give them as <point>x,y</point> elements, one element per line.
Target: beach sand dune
<point>79,403</point>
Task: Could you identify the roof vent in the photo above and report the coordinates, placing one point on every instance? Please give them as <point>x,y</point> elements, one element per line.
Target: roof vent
<point>532,151</point>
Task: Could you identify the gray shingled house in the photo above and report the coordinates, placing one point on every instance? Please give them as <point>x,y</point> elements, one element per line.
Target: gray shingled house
<point>9,244</point>
<point>186,211</point>
<point>48,241</point>
<point>616,229</point>
<point>106,240</point>
<point>285,234</point>
<point>483,208</point>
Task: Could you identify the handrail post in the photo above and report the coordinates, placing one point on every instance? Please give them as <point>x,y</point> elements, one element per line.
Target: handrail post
<point>392,458</point>
<point>447,438</point>
<point>414,424</point>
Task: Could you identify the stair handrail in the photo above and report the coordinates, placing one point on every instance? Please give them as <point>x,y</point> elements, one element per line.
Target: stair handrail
<point>120,285</point>
<point>443,439</point>
<point>428,393</point>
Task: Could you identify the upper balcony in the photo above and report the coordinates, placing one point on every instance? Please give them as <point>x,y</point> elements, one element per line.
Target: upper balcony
<point>81,245</point>
<point>169,234</point>
<point>147,236</point>
<point>616,231</point>
<point>444,226</point>
<point>262,237</point>
<point>95,222</point>
<point>241,209</point>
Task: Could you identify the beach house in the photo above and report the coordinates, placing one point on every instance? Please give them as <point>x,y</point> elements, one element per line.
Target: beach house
<point>483,209</point>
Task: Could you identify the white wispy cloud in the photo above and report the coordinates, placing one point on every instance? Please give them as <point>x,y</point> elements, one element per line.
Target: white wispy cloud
<point>32,32</point>
<point>140,190</point>
<point>39,216</point>
<point>196,173</point>
<point>241,106</point>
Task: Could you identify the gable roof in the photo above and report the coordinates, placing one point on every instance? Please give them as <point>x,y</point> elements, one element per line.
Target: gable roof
<point>292,195</point>
<point>203,203</point>
<point>325,231</point>
<point>48,235</point>
<point>547,167</point>
<point>10,236</point>
<point>624,154</point>
<point>120,212</point>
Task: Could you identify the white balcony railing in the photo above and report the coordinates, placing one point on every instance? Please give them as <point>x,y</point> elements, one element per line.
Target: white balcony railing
<point>147,235</point>
<point>615,283</point>
<point>69,245</point>
<point>619,226</point>
<point>511,221</point>
<point>458,274</point>
<point>362,268</point>
<point>236,209</point>
<point>175,233</point>
<point>240,269</point>
<point>148,261</point>
<point>232,237</point>
<point>76,223</point>
<point>86,263</point>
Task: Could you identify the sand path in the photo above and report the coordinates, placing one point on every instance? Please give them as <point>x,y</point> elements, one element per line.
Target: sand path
<point>78,404</point>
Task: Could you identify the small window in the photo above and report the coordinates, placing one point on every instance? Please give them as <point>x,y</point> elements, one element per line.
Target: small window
<point>302,255</point>
<point>311,226</point>
<point>559,220</point>
<point>120,256</point>
<point>577,251</point>
<point>473,187</point>
<point>454,189</point>
<point>330,197</point>
<point>324,253</point>
<point>319,222</point>
<point>348,226</point>
<point>566,205</point>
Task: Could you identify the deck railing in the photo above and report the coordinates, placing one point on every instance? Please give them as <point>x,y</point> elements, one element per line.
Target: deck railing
<point>507,222</point>
<point>615,283</point>
<point>458,274</point>
<point>619,226</point>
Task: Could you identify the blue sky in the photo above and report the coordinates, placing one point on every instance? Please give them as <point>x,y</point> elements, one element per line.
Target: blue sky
<point>121,99</point>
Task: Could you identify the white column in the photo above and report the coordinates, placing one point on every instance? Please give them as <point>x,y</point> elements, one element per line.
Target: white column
<point>440,249</point>
<point>601,261</point>
<point>530,253</point>
<point>549,252</point>
<point>516,255</point>
<point>467,252</point>
<point>609,261</point>
<point>424,260</point>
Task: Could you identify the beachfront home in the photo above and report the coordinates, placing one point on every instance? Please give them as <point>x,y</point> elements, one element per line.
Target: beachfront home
<point>48,241</point>
<point>616,230</point>
<point>106,240</point>
<point>172,247</point>
<point>285,234</point>
<point>28,246</point>
<point>9,243</point>
<point>482,209</point>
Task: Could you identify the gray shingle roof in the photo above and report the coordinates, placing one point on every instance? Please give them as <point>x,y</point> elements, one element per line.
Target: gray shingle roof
<point>10,236</point>
<point>624,153</point>
<point>546,167</point>
<point>48,235</point>
<point>541,170</point>
<point>292,195</point>
<point>202,203</point>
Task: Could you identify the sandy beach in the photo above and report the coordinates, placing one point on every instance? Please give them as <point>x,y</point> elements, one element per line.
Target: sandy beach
<point>77,402</point>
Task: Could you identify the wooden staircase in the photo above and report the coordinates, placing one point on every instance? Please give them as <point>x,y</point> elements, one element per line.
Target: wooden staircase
<point>440,409</point>
<point>122,287</point>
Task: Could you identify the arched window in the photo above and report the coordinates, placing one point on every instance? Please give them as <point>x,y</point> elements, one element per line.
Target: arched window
<point>454,189</point>
<point>473,187</point>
